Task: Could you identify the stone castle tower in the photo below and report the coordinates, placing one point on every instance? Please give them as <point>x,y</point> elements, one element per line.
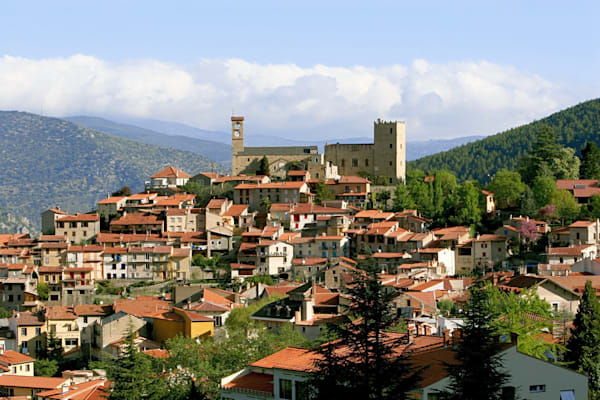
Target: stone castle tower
<point>385,157</point>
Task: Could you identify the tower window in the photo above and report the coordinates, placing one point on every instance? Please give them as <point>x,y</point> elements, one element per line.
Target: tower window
<point>390,163</point>
<point>355,162</point>
<point>343,163</point>
<point>391,131</point>
<point>391,145</point>
<point>366,162</point>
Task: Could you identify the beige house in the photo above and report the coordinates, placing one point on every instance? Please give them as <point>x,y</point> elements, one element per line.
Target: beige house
<point>28,328</point>
<point>89,256</point>
<point>62,322</point>
<point>489,250</point>
<point>274,257</point>
<point>111,205</point>
<point>14,363</point>
<point>584,232</point>
<point>571,254</point>
<point>78,227</point>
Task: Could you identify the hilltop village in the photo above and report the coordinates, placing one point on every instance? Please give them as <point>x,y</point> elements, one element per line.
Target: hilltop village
<point>274,252</point>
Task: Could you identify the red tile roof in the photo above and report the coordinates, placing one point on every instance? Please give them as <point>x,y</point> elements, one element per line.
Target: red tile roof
<point>252,382</point>
<point>60,312</point>
<point>112,200</point>
<point>171,172</point>
<point>12,357</point>
<point>136,219</point>
<point>31,382</point>
<point>235,210</point>
<point>80,217</point>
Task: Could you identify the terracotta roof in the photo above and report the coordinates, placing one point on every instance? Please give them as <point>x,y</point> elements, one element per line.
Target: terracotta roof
<point>136,219</point>
<point>272,185</point>
<point>142,196</point>
<point>281,290</point>
<point>26,318</point>
<point>207,306</point>
<point>52,238</point>
<point>426,285</point>
<point>581,224</point>
<point>353,179</point>
<point>388,255</point>
<point>112,200</point>
<point>93,309</point>
<point>13,357</point>
<point>90,248</point>
<point>235,210</point>
<point>142,306</point>
<point>576,283</point>
<point>48,270</point>
<point>252,382</point>
<point>569,251</point>
<point>216,203</point>
<point>60,312</point>
<point>297,173</point>
<point>32,382</point>
<point>54,245</point>
<point>309,261</point>
<point>490,238</point>
<point>92,390</point>
<point>443,231</point>
<point>80,217</point>
<point>171,172</point>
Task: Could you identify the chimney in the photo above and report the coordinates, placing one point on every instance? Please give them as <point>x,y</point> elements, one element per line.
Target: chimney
<point>65,389</point>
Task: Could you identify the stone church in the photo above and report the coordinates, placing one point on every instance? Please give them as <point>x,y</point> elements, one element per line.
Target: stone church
<point>386,156</point>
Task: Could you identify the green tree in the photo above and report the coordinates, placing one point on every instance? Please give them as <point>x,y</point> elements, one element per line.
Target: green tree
<point>565,165</point>
<point>545,150</point>
<point>544,188</point>
<point>51,348</point>
<point>469,211</point>
<point>567,207</point>
<point>265,205</point>
<point>124,191</point>
<point>263,167</point>
<point>43,290</point>
<point>591,210</point>
<point>4,313</point>
<point>590,162</point>
<point>323,192</point>
<point>528,204</point>
<point>583,352</point>
<point>132,373</point>
<point>478,373</point>
<point>507,188</point>
<point>402,198</point>
<point>361,363</point>
<point>45,367</point>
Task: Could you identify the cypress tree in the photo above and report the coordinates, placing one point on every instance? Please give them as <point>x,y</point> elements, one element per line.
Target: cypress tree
<point>478,373</point>
<point>590,162</point>
<point>582,348</point>
<point>263,167</point>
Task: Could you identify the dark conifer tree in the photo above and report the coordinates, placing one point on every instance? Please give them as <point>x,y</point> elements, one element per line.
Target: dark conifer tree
<point>361,363</point>
<point>590,162</point>
<point>478,373</point>
<point>583,352</point>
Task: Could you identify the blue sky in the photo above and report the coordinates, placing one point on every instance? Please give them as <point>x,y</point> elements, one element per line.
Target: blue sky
<point>530,49</point>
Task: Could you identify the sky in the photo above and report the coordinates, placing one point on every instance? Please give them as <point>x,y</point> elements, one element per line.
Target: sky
<point>313,69</point>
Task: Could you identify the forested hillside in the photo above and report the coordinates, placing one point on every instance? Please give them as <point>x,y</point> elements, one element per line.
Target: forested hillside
<point>47,162</point>
<point>573,126</point>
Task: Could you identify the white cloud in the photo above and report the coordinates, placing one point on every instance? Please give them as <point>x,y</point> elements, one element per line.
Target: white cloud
<point>436,100</point>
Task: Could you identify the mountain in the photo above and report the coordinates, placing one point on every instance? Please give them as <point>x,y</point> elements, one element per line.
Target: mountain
<point>418,149</point>
<point>46,162</point>
<point>214,150</point>
<point>481,159</point>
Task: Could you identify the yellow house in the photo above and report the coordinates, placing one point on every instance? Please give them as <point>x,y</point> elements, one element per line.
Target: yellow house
<point>62,322</point>
<point>189,324</point>
<point>14,363</point>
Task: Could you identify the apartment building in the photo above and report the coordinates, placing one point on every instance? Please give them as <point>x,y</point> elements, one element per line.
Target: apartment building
<point>78,228</point>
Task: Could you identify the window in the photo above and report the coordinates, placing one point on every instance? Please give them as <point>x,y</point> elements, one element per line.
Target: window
<point>38,331</point>
<point>567,395</point>
<point>366,162</point>
<point>285,389</point>
<point>537,388</point>
<point>71,342</point>
<point>355,162</point>
<point>24,331</point>
<point>85,319</point>
<point>391,145</point>
<point>218,320</point>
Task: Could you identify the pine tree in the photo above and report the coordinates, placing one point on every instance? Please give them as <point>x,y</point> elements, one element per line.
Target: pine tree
<point>131,374</point>
<point>590,162</point>
<point>582,348</point>
<point>360,363</point>
<point>478,373</point>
